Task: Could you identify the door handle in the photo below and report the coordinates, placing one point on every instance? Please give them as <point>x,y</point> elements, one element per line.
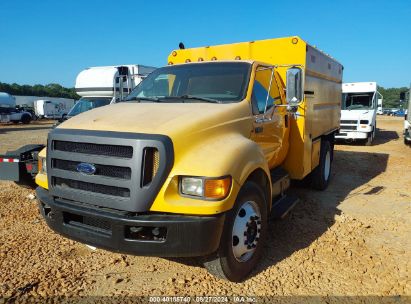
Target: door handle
<point>258,129</point>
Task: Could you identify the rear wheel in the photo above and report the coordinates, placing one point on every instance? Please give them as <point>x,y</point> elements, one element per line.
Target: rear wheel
<point>241,243</point>
<point>26,119</point>
<point>321,175</point>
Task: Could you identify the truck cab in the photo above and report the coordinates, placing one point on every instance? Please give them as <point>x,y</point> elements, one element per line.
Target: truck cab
<point>198,156</point>
<point>9,112</point>
<point>360,102</point>
<point>88,103</point>
<point>407,118</point>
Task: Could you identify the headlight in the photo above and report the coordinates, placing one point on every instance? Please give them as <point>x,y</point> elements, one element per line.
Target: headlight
<point>192,186</point>
<point>42,163</point>
<point>207,188</point>
<point>364,122</point>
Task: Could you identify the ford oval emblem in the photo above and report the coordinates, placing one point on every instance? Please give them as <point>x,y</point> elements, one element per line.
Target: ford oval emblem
<point>86,168</point>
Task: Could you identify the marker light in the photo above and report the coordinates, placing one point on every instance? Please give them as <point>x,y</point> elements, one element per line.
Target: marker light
<point>294,40</point>
<point>217,188</point>
<point>214,58</point>
<point>237,58</point>
<point>170,63</point>
<point>200,59</point>
<point>174,53</point>
<point>42,164</point>
<point>188,60</point>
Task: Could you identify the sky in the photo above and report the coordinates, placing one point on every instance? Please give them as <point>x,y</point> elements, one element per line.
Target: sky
<point>50,41</point>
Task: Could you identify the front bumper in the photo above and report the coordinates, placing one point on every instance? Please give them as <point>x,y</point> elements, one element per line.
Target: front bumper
<point>181,235</point>
<point>351,135</point>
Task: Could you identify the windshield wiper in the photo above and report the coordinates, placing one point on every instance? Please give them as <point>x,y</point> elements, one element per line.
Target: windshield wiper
<point>154,99</point>
<point>198,98</point>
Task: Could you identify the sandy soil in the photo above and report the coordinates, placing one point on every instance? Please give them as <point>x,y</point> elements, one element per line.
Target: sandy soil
<point>354,239</point>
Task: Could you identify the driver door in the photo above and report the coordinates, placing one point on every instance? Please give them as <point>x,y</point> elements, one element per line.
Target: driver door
<point>269,121</point>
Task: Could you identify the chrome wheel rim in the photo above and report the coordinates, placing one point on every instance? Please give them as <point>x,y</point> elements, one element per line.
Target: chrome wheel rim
<point>246,231</point>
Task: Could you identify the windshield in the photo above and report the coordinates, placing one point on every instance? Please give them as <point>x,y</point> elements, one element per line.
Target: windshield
<point>88,103</point>
<point>357,101</point>
<point>212,81</point>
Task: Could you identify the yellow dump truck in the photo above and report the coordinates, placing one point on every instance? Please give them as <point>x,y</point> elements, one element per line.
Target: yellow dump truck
<point>199,156</point>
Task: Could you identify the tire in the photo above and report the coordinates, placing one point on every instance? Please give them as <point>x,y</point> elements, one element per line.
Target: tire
<point>320,177</point>
<point>368,141</point>
<point>26,119</point>
<point>228,262</point>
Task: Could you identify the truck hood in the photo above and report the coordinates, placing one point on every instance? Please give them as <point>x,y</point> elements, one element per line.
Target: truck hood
<point>357,114</point>
<point>169,119</point>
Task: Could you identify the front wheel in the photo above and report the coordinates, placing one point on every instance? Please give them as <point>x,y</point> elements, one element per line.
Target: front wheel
<point>321,175</point>
<point>241,243</point>
<point>368,141</point>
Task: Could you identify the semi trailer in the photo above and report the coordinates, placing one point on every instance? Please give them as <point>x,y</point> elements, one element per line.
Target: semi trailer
<point>199,156</point>
<point>360,102</point>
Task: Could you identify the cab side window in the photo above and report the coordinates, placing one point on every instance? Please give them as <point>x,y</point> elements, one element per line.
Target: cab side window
<point>260,91</point>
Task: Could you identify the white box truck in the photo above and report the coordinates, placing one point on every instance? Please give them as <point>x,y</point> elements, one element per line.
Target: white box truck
<point>358,112</point>
<point>99,86</point>
<point>8,111</point>
<point>52,109</point>
<point>407,118</point>
<point>379,108</point>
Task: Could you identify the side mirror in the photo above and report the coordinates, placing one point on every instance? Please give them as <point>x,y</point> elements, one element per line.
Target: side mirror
<point>294,91</point>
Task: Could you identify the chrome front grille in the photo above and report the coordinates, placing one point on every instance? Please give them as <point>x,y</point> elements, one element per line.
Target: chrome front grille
<point>348,125</point>
<point>342,127</point>
<point>349,122</point>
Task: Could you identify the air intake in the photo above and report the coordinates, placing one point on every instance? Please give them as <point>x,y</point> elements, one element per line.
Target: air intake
<point>151,161</point>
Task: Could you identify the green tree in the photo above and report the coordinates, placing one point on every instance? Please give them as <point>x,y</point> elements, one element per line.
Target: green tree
<point>50,90</point>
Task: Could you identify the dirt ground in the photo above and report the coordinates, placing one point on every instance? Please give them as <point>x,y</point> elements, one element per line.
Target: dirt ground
<point>354,239</point>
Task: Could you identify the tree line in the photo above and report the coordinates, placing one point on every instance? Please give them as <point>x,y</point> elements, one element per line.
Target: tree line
<point>49,90</point>
<point>392,97</point>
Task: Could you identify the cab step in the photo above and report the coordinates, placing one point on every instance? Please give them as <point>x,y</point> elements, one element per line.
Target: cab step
<point>283,205</point>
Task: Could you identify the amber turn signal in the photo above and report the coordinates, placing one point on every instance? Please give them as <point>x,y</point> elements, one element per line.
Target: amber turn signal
<point>217,188</point>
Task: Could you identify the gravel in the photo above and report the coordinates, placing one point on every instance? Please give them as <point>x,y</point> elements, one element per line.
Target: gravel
<point>350,240</point>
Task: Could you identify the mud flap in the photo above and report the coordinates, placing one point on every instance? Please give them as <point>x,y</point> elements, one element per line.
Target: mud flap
<point>9,168</point>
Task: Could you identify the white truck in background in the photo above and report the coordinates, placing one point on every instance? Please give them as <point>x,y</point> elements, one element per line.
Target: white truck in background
<point>100,86</point>
<point>358,112</point>
<point>379,108</point>
<point>8,111</point>
<point>52,109</point>
<point>407,117</point>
